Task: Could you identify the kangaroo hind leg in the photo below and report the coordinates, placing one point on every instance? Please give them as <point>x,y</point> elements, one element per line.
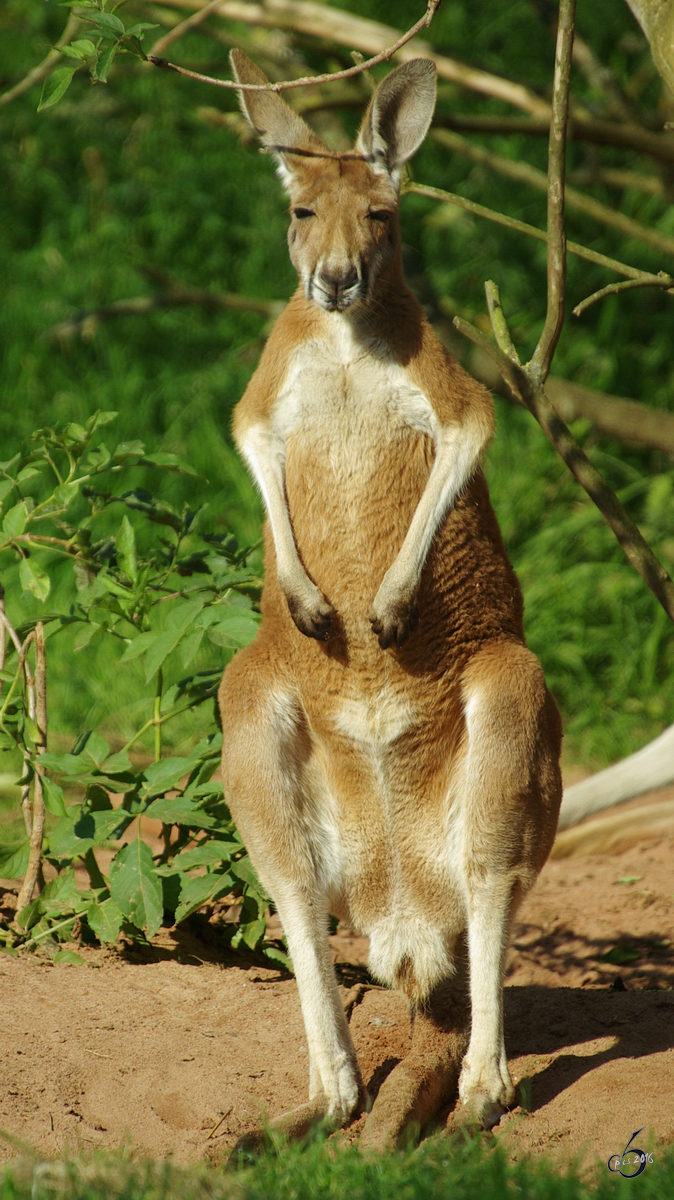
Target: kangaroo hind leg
<point>266,757</point>
<point>510,806</point>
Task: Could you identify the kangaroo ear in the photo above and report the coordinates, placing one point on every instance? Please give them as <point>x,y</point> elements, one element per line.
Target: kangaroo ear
<point>274,122</point>
<point>398,116</point>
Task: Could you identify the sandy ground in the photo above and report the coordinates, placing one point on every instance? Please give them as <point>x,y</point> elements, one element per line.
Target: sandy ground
<point>180,1049</point>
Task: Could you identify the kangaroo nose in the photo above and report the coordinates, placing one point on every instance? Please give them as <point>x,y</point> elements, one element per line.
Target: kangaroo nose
<point>338,281</point>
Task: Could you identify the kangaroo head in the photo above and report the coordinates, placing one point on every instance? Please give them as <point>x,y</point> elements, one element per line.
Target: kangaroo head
<point>344,208</point>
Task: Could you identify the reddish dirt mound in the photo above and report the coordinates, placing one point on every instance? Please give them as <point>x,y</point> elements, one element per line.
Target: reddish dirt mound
<point>181,1049</point>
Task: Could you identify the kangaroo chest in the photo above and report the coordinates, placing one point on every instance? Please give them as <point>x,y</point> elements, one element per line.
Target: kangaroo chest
<point>349,407</point>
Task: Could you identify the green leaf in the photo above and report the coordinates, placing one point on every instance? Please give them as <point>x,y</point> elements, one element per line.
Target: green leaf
<point>81,48</point>
<point>190,646</point>
<point>139,645</point>
<point>66,492</point>
<point>137,30</point>
<point>277,956</point>
<point>55,86</point>
<point>98,419</point>
<point>6,486</point>
<point>135,888</point>
<point>110,585</point>
<point>104,63</point>
<point>170,462</point>
<point>118,763</point>
<point>184,615</point>
<point>126,450</point>
<point>64,842</point>
<point>212,851</point>
<point>125,544</point>
<point>14,521</point>
<point>100,825</point>
<point>108,24</point>
<point>68,957</point>
<point>164,775</point>
<point>164,645</point>
<point>197,892</point>
<point>92,746</point>
<point>244,870</point>
<point>14,860</point>
<point>236,628</point>
<point>64,764</point>
<point>34,579</point>
<point>105,920</point>
<point>86,636</point>
<point>178,811</point>
<point>629,879</point>
<point>53,798</point>
<point>26,474</point>
<point>619,955</point>
<point>253,933</point>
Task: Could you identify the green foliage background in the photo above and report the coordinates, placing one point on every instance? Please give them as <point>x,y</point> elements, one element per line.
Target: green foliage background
<point>125,178</point>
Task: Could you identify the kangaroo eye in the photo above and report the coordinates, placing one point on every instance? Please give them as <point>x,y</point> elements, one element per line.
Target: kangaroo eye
<point>303,213</point>
<point>379,214</point>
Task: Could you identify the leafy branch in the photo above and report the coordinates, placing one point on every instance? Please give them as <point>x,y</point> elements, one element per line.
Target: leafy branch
<point>167,593</point>
<point>109,37</point>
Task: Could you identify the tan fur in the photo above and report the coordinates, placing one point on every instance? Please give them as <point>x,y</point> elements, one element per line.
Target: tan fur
<point>390,748</point>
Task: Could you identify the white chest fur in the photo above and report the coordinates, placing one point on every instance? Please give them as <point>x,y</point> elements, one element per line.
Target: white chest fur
<point>343,387</point>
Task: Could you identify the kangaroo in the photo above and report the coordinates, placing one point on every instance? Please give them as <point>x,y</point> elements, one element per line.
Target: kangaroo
<point>391,751</point>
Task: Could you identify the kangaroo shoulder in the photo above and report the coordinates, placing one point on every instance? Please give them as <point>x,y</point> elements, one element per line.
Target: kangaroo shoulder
<point>454,394</point>
<point>294,326</point>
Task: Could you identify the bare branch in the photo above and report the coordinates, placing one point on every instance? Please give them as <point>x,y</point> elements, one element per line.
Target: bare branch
<point>43,68</point>
<point>358,33</point>
<point>184,27</point>
<point>525,173</point>
<point>531,394</point>
<point>625,285</point>
<point>490,214</point>
<point>309,80</point>
<point>615,416</point>
<point>554,319</point>
<point>610,177</point>
<point>601,77</point>
<point>177,295</point>
<point>599,133</point>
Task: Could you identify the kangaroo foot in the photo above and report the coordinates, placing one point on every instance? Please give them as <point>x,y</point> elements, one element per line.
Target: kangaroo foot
<point>428,1077</point>
<point>290,1126</point>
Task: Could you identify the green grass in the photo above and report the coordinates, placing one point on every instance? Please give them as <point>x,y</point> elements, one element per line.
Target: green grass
<point>440,1168</point>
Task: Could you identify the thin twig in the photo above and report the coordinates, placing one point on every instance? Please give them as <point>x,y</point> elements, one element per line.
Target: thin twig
<point>490,214</point>
<point>554,318</point>
<point>40,717</point>
<point>184,27</point>
<point>43,68</point>
<point>525,173</point>
<point>308,80</point>
<point>360,33</point>
<point>217,1125</point>
<point>626,285</point>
